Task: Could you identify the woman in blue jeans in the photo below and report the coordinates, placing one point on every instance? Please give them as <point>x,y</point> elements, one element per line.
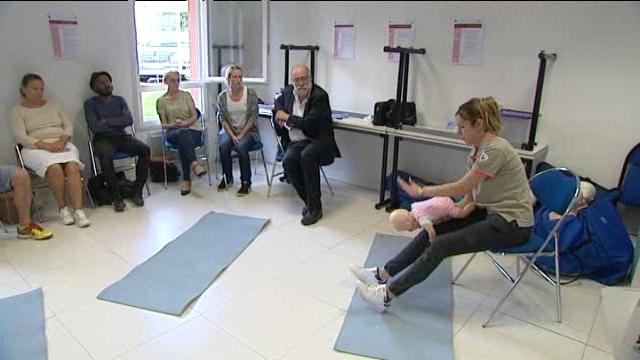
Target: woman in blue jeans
<point>237,110</point>
<point>495,180</point>
<point>179,117</point>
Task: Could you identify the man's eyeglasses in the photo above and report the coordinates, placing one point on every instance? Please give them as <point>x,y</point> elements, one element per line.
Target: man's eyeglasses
<point>300,80</point>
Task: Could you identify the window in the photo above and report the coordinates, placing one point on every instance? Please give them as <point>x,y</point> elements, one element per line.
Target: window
<point>169,35</point>
<point>234,29</point>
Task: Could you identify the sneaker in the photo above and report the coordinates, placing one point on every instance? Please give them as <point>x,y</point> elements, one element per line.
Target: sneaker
<point>81,218</point>
<point>223,186</point>
<point>374,295</point>
<point>199,170</point>
<point>34,231</point>
<point>118,205</point>
<point>366,275</point>
<point>65,216</point>
<point>245,189</point>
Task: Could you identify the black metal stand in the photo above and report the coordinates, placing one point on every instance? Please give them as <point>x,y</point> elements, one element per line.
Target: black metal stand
<point>219,49</point>
<point>288,47</point>
<point>538,98</point>
<point>401,97</point>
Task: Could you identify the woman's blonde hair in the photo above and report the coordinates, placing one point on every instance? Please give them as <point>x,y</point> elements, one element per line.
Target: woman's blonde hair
<point>485,109</point>
<point>176,73</point>
<point>228,71</point>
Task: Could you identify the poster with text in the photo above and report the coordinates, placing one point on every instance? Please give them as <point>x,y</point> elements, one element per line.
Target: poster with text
<point>467,42</point>
<point>344,41</point>
<point>399,35</point>
<point>64,36</point>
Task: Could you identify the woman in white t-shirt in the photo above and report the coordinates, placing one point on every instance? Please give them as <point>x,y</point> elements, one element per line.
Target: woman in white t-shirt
<point>237,111</point>
<point>44,131</point>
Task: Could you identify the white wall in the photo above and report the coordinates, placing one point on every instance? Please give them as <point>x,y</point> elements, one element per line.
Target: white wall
<point>587,114</point>
<point>105,43</point>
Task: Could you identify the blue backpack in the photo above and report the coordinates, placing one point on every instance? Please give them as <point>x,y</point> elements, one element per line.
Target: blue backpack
<point>594,244</point>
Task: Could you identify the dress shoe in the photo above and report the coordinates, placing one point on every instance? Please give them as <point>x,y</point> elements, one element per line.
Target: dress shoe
<point>137,199</point>
<point>305,210</point>
<point>118,205</point>
<point>312,217</point>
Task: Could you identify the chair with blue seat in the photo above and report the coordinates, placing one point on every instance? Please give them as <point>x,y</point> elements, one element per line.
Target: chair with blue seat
<point>200,145</point>
<point>556,189</point>
<point>116,156</point>
<point>257,146</point>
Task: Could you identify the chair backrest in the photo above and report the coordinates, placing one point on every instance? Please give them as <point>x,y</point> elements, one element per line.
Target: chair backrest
<point>556,189</point>
<point>629,183</point>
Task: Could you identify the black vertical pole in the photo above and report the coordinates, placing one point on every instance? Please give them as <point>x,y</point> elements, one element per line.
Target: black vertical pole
<point>219,50</point>
<point>313,66</point>
<point>538,98</point>
<point>383,174</point>
<point>406,78</point>
<point>400,75</point>
<point>286,67</point>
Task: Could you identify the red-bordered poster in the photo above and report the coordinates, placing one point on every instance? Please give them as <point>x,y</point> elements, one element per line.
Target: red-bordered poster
<point>399,35</point>
<point>344,41</point>
<point>467,42</point>
<point>64,37</point>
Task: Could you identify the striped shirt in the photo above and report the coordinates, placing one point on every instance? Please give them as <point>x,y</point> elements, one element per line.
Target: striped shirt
<point>434,210</point>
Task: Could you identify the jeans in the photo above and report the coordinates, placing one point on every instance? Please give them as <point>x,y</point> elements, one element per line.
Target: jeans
<point>479,231</point>
<point>185,140</point>
<point>242,148</point>
<point>106,146</point>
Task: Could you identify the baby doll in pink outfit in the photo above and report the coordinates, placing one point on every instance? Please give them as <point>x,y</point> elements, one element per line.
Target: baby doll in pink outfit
<point>430,212</point>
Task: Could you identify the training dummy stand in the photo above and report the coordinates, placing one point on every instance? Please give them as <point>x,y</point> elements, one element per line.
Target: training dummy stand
<point>401,97</point>
<point>537,100</point>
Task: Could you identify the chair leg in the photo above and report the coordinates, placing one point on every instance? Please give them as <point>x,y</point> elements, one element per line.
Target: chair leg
<point>86,188</point>
<point>273,172</point>
<point>206,161</point>
<point>164,165</point>
<point>502,270</point>
<point>464,267</point>
<point>35,206</point>
<point>327,181</point>
<point>264,163</point>
<point>558,295</point>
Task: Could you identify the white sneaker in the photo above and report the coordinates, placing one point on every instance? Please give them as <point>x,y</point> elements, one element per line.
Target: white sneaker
<point>366,275</point>
<point>81,218</point>
<point>65,216</point>
<point>374,295</point>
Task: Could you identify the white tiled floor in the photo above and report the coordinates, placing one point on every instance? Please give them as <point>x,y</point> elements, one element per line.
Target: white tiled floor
<point>284,297</point>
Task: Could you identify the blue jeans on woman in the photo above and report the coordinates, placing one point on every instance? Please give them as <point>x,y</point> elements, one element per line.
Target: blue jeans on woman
<point>185,140</point>
<point>242,148</point>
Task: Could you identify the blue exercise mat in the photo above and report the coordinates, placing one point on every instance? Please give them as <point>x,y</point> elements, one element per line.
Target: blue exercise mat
<point>417,325</point>
<point>184,268</point>
<point>22,327</point>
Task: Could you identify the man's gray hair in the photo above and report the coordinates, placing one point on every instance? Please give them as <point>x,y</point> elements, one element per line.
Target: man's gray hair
<point>301,66</point>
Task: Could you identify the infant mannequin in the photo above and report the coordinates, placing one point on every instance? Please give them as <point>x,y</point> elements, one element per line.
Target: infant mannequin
<point>427,213</point>
<point>585,197</point>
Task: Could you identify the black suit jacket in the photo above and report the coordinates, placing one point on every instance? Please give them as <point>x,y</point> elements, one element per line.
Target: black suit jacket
<point>316,123</point>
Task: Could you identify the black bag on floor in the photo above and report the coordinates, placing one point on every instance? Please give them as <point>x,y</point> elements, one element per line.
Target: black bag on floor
<point>99,191</point>
<point>157,171</point>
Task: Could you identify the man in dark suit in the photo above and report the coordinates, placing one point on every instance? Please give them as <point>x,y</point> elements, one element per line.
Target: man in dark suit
<point>304,110</point>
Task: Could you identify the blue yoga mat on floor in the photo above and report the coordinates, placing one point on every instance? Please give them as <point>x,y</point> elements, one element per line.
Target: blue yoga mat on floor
<point>417,325</point>
<point>22,327</point>
<point>184,268</point>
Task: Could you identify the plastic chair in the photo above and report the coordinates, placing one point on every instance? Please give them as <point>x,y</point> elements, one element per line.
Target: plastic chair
<point>257,146</point>
<point>38,182</point>
<point>201,146</point>
<point>116,156</point>
<point>556,189</point>
<point>275,162</point>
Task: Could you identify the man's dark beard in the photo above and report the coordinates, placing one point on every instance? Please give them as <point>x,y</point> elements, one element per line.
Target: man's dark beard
<point>105,92</point>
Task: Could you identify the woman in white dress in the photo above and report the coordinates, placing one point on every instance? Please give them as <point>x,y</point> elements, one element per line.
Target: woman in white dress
<point>44,131</point>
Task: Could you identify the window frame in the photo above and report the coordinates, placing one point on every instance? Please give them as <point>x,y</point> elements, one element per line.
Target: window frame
<point>202,70</point>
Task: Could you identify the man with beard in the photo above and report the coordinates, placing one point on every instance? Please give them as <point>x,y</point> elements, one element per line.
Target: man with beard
<point>304,110</point>
<point>108,116</point>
